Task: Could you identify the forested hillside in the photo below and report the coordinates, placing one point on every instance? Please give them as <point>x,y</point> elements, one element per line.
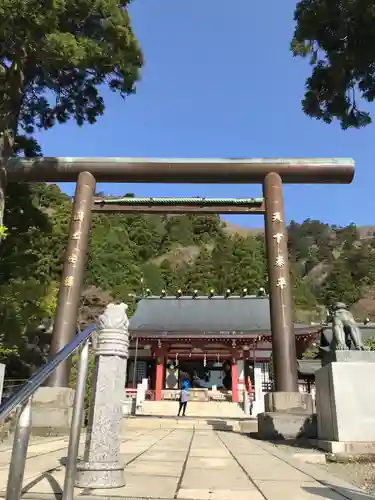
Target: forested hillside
<point>132,253</point>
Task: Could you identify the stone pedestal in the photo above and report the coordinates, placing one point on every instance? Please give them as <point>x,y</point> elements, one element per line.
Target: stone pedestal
<point>290,402</point>
<point>345,400</point>
<point>101,466</point>
<point>288,415</point>
<point>279,426</point>
<point>348,356</point>
<point>52,409</point>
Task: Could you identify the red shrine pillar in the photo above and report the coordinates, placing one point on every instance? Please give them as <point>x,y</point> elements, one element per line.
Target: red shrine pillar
<point>234,380</point>
<point>159,374</point>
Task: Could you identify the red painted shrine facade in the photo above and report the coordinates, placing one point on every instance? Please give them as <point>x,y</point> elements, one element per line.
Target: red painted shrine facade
<point>214,342</point>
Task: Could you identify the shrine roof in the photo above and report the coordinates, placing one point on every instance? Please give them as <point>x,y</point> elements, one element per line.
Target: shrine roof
<point>204,315</point>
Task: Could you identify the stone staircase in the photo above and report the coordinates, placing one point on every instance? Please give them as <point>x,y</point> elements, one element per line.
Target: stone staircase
<point>188,423</point>
<point>197,409</point>
<point>224,416</point>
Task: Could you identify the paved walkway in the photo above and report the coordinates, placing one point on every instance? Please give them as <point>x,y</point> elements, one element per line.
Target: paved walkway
<point>188,464</point>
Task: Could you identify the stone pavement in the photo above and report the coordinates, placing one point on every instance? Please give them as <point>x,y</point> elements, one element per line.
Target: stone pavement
<point>187,464</point>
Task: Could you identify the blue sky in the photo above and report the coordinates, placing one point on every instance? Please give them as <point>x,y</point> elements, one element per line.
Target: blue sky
<point>220,81</point>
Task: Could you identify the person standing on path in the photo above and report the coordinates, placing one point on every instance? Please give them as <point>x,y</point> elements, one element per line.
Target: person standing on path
<point>184,396</point>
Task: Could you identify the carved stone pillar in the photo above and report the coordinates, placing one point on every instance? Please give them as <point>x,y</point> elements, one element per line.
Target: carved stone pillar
<point>101,466</point>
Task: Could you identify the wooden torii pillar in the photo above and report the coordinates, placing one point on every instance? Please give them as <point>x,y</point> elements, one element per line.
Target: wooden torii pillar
<point>271,173</point>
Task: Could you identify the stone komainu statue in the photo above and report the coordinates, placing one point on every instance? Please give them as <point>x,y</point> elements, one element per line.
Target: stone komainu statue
<point>345,332</point>
<point>115,316</point>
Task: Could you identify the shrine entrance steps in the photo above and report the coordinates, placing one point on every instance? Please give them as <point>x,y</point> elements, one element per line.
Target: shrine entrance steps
<point>244,426</point>
<point>196,409</point>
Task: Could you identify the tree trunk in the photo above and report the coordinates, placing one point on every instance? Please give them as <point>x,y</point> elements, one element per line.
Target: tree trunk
<point>13,98</point>
<point>2,196</point>
<point>6,150</point>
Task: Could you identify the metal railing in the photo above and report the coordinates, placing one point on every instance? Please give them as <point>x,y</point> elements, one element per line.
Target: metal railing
<point>22,399</point>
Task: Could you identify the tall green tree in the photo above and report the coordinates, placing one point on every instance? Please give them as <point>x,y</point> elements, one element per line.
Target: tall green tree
<point>112,264</point>
<point>153,279</point>
<point>338,37</point>
<point>55,58</point>
<point>24,306</point>
<point>340,285</point>
<point>200,275</point>
<point>222,261</point>
<point>302,295</point>
<point>248,265</point>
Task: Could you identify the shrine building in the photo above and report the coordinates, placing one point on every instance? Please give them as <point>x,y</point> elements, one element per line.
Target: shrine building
<point>213,341</point>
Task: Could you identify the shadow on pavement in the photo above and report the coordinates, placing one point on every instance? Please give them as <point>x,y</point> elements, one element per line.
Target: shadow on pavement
<point>268,431</point>
<point>293,443</point>
<point>219,425</point>
<point>333,492</point>
<point>56,488</point>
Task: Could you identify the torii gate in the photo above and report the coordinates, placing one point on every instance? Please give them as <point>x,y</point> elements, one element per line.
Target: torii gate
<point>271,173</point>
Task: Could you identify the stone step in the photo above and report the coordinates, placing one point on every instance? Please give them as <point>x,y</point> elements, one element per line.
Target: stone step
<point>146,422</point>
<point>197,409</point>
